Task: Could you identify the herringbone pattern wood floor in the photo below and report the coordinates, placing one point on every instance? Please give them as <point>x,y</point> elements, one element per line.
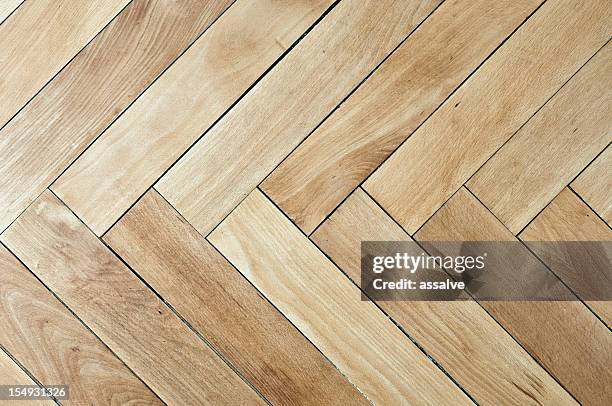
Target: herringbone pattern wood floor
<point>185,184</point>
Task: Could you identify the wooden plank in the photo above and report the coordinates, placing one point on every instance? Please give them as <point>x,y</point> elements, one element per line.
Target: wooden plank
<point>491,366</point>
<point>55,347</point>
<point>91,92</point>
<point>389,106</point>
<point>134,152</point>
<point>565,337</point>
<point>244,147</point>
<point>364,344</point>
<point>116,305</point>
<point>594,185</point>
<point>473,123</point>
<point>39,39</point>
<point>551,149</point>
<point>567,218</point>
<point>11,374</point>
<point>216,300</point>
<point>7,7</point>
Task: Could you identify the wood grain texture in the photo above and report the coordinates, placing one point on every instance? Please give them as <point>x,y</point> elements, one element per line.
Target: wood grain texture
<point>359,339</point>
<point>389,106</point>
<point>460,336</point>
<point>214,298</point>
<point>567,218</point>
<point>11,374</point>
<point>564,337</point>
<point>56,348</point>
<point>7,7</point>
<point>120,309</point>
<point>286,106</point>
<point>91,92</point>
<point>136,150</point>
<point>473,123</point>
<point>594,185</point>
<point>39,39</point>
<point>551,148</point>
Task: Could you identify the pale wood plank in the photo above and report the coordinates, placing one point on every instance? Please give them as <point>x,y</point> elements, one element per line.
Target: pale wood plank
<point>443,153</point>
<point>286,106</point>
<point>7,7</point>
<point>89,94</point>
<point>565,337</point>
<point>595,183</point>
<point>368,348</point>
<point>551,149</point>
<point>39,39</point>
<point>460,336</point>
<point>120,309</point>
<point>389,106</point>
<point>133,153</point>
<point>55,347</point>
<point>567,218</point>
<point>11,374</point>
<point>214,298</point>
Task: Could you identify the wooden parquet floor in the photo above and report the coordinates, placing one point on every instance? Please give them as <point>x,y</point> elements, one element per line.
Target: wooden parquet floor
<point>185,185</point>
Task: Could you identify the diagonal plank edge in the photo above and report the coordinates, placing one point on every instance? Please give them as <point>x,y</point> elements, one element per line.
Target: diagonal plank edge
<point>7,7</point>
<point>486,110</point>
<point>12,374</point>
<point>595,183</point>
<point>187,99</point>
<point>127,316</point>
<point>389,106</point>
<point>355,335</point>
<point>286,105</point>
<point>214,298</point>
<point>55,347</point>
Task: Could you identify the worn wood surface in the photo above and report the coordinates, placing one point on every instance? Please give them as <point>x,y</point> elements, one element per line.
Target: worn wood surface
<point>485,112</point>
<point>383,112</point>
<point>55,347</point>
<point>91,92</point>
<point>214,298</point>
<point>286,106</point>
<point>153,133</point>
<point>120,309</point>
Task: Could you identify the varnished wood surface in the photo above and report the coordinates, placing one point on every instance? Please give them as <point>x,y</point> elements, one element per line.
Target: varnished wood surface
<point>184,187</point>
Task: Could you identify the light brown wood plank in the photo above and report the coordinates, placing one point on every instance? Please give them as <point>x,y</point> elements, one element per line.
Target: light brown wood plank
<point>55,347</point>
<point>11,374</point>
<point>517,80</point>
<point>460,336</point>
<point>39,39</point>
<point>551,149</point>
<point>359,339</point>
<point>565,337</point>
<point>567,218</point>
<point>91,92</point>
<point>214,298</point>
<point>7,7</point>
<point>389,106</point>
<point>286,106</point>
<point>595,183</point>
<point>120,309</point>
<point>134,152</point>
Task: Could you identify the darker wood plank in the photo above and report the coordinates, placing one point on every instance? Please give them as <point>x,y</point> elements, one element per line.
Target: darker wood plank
<point>92,91</point>
<point>120,309</point>
<point>214,298</point>
<point>55,347</point>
